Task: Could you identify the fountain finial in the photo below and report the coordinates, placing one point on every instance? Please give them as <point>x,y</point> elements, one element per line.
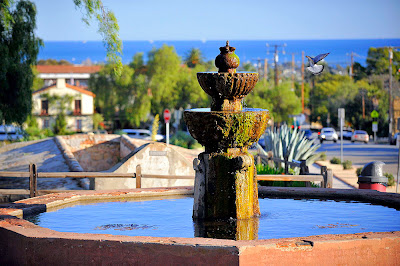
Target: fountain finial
<point>227,60</point>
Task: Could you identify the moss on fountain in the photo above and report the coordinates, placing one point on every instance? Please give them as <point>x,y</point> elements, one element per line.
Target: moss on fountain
<point>218,131</point>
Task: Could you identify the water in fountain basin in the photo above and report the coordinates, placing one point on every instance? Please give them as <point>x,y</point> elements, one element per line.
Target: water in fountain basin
<point>279,218</point>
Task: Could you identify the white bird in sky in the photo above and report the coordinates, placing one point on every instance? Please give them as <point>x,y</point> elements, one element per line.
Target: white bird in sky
<point>314,68</point>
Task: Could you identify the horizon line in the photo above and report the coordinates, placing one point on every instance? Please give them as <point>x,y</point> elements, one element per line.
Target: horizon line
<point>211,40</point>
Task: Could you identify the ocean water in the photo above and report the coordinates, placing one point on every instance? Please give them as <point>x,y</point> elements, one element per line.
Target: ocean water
<point>248,51</point>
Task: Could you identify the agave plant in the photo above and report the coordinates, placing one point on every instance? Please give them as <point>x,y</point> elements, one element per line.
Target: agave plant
<point>285,143</point>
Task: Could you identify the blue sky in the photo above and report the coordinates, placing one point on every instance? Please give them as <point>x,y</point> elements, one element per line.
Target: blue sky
<point>221,20</point>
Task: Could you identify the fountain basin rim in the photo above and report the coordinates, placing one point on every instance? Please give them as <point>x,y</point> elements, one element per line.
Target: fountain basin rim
<point>208,110</point>
<point>226,73</point>
<point>104,247</point>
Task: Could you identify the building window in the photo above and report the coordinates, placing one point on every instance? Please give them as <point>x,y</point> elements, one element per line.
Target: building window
<point>45,107</point>
<point>46,123</point>
<point>78,125</point>
<point>78,108</point>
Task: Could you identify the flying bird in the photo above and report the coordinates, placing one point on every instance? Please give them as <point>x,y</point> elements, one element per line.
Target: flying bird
<point>314,68</point>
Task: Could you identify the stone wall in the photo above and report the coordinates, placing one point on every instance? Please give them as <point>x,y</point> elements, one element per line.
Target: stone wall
<point>94,152</point>
<point>155,158</point>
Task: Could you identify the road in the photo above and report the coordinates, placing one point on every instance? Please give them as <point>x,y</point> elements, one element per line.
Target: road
<point>360,154</point>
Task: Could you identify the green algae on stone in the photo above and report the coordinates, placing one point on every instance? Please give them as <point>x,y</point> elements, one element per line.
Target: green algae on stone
<point>218,131</point>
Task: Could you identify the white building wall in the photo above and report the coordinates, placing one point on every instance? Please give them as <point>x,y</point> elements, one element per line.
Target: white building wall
<point>87,104</point>
<point>87,107</point>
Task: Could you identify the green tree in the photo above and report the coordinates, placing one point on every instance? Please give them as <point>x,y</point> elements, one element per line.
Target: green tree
<point>139,108</point>
<point>19,47</point>
<point>194,57</point>
<point>281,101</point>
<point>189,92</point>
<point>37,82</point>
<point>138,63</point>
<point>113,93</point>
<point>330,93</point>
<point>378,61</point>
<point>97,120</point>
<point>286,102</point>
<point>248,67</point>
<point>54,62</point>
<point>91,9</point>
<point>359,71</point>
<point>163,68</point>
<point>62,104</point>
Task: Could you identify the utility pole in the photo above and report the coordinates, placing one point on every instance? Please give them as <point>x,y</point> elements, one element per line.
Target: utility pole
<point>293,71</point>
<point>351,65</point>
<point>276,65</point>
<point>363,103</point>
<point>265,68</point>
<point>390,88</point>
<point>276,57</point>
<point>302,82</point>
<point>390,92</point>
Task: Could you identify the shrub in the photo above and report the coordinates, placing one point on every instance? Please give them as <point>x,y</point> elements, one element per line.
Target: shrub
<point>184,140</point>
<point>322,156</point>
<point>263,169</point>
<point>291,144</point>
<point>154,128</point>
<point>358,171</point>
<point>335,160</point>
<point>347,164</point>
<point>390,177</point>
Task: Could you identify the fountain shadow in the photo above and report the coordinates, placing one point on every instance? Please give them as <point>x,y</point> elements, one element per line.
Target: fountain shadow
<point>234,229</point>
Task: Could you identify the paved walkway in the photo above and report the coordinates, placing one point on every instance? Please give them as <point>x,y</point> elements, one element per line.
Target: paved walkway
<point>45,154</point>
<point>345,177</point>
<point>337,183</point>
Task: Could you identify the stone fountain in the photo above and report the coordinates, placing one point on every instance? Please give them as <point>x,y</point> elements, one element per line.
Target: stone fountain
<point>225,182</point>
<point>225,204</point>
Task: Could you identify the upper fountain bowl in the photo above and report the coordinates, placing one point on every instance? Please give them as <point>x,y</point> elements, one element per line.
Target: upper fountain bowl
<point>227,85</point>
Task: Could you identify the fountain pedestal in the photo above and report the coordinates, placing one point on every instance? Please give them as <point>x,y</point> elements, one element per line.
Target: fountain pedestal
<point>225,182</point>
<point>225,186</point>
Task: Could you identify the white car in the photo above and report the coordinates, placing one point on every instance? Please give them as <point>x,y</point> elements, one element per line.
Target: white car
<point>141,134</point>
<point>328,133</point>
<point>360,135</point>
<point>9,132</point>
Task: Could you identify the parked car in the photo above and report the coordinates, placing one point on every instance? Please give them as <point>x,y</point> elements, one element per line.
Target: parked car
<point>141,134</point>
<point>347,133</point>
<point>394,139</point>
<point>9,132</point>
<point>261,141</point>
<point>308,134</point>
<point>360,135</point>
<point>328,133</point>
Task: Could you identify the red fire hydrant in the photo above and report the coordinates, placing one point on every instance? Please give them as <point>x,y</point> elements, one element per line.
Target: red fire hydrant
<point>371,177</point>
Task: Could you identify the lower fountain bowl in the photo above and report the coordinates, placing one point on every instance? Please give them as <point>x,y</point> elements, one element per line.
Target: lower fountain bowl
<point>26,243</point>
<point>220,130</point>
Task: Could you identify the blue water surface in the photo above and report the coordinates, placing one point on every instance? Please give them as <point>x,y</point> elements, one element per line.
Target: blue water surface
<point>280,218</point>
<point>340,50</point>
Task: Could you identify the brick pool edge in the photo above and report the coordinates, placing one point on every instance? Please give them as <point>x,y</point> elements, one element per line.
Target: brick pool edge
<point>25,243</point>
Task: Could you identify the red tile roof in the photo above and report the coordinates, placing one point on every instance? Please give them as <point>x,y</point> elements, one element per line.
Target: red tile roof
<point>68,69</point>
<point>81,90</point>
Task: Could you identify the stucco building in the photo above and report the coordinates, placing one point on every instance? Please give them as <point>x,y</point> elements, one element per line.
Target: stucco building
<point>79,111</point>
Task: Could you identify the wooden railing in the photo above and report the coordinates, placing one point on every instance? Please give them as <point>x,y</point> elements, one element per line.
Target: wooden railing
<point>325,177</point>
